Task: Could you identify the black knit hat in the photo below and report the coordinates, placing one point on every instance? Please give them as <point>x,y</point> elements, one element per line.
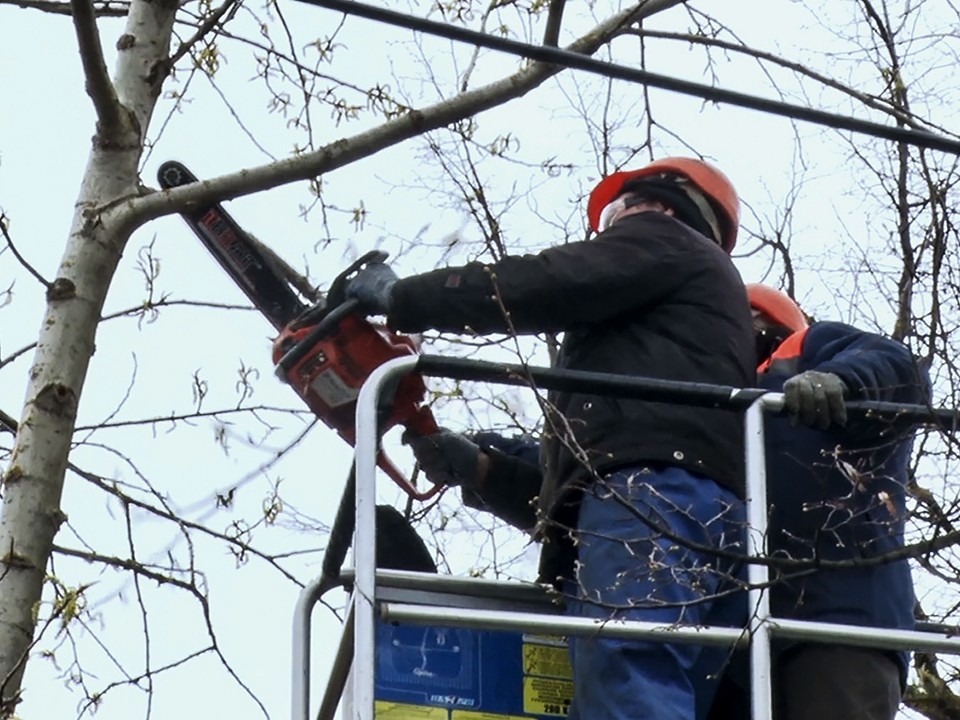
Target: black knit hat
<point>675,193</point>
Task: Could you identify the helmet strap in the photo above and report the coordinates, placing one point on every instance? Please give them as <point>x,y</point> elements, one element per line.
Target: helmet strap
<point>610,211</point>
<point>704,207</point>
<point>767,339</point>
<point>690,206</point>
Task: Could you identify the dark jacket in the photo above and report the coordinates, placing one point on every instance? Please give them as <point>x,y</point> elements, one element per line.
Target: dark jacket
<point>839,494</point>
<point>513,479</point>
<point>648,297</point>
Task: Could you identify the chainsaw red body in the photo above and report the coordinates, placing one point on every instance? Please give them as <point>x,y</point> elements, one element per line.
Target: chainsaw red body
<point>331,372</point>
<point>325,351</point>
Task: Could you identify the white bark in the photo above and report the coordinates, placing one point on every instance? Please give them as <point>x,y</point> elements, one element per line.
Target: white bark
<point>31,511</point>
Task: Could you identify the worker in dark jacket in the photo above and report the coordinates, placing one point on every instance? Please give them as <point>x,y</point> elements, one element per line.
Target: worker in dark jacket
<point>634,494</point>
<point>837,492</point>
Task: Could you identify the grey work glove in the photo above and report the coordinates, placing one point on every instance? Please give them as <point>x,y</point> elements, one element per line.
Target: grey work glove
<point>446,457</point>
<point>816,399</point>
<point>372,286</point>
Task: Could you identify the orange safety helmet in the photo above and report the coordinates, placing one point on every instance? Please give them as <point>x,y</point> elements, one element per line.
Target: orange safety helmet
<point>705,177</point>
<point>778,306</point>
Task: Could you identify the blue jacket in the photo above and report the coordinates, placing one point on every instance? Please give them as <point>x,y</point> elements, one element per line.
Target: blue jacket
<point>839,494</point>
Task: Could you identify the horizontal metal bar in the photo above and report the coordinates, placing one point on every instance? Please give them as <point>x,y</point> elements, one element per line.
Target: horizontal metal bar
<point>543,624</point>
<point>683,393</point>
<point>539,623</point>
<point>513,590</point>
<point>680,393</point>
<point>886,638</point>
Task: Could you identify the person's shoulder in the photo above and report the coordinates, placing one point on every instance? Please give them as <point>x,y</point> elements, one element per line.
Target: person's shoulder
<point>833,328</point>
<point>827,330</point>
<point>839,335</point>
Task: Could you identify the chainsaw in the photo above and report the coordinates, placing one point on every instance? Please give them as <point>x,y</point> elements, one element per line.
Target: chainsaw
<point>325,350</point>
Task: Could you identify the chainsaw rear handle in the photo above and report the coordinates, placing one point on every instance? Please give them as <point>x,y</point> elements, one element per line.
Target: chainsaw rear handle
<point>421,422</point>
<point>396,474</point>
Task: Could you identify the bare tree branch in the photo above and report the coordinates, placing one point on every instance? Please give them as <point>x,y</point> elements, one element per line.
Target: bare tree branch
<point>99,86</point>
<point>106,8</point>
<point>551,32</point>
<point>137,210</point>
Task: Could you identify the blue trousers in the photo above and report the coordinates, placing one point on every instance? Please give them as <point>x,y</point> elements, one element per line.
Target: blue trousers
<point>633,563</point>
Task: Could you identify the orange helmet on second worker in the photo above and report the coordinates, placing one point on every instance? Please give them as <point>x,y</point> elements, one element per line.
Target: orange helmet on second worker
<point>776,305</point>
<point>717,188</point>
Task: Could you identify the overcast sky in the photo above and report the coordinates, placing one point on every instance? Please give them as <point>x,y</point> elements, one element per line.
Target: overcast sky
<point>147,369</point>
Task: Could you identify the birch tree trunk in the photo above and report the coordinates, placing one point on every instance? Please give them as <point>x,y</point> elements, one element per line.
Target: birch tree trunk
<point>33,483</point>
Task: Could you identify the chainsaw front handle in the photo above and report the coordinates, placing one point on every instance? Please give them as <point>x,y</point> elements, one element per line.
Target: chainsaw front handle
<point>396,474</point>
<point>422,422</point>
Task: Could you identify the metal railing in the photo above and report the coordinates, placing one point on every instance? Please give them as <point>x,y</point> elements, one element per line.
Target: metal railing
<point>354,664</point>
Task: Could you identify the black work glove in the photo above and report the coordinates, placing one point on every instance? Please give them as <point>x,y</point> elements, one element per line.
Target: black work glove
<point>816,399</point>
<point>446,457</point>
<point>372,287</point>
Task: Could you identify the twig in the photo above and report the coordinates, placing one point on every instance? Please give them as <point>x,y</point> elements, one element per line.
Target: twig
<point>17,255</point>
<point>208,23</point>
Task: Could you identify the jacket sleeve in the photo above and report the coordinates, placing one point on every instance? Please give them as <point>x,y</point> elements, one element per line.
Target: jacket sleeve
<point>872,366</point>
<point>513,480</point>
<point>627,268</point>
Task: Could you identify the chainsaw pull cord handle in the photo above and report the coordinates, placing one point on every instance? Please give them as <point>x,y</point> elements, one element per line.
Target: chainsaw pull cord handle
<point>330,321</point>
<point>339,307</point>
<point>396,474</point>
